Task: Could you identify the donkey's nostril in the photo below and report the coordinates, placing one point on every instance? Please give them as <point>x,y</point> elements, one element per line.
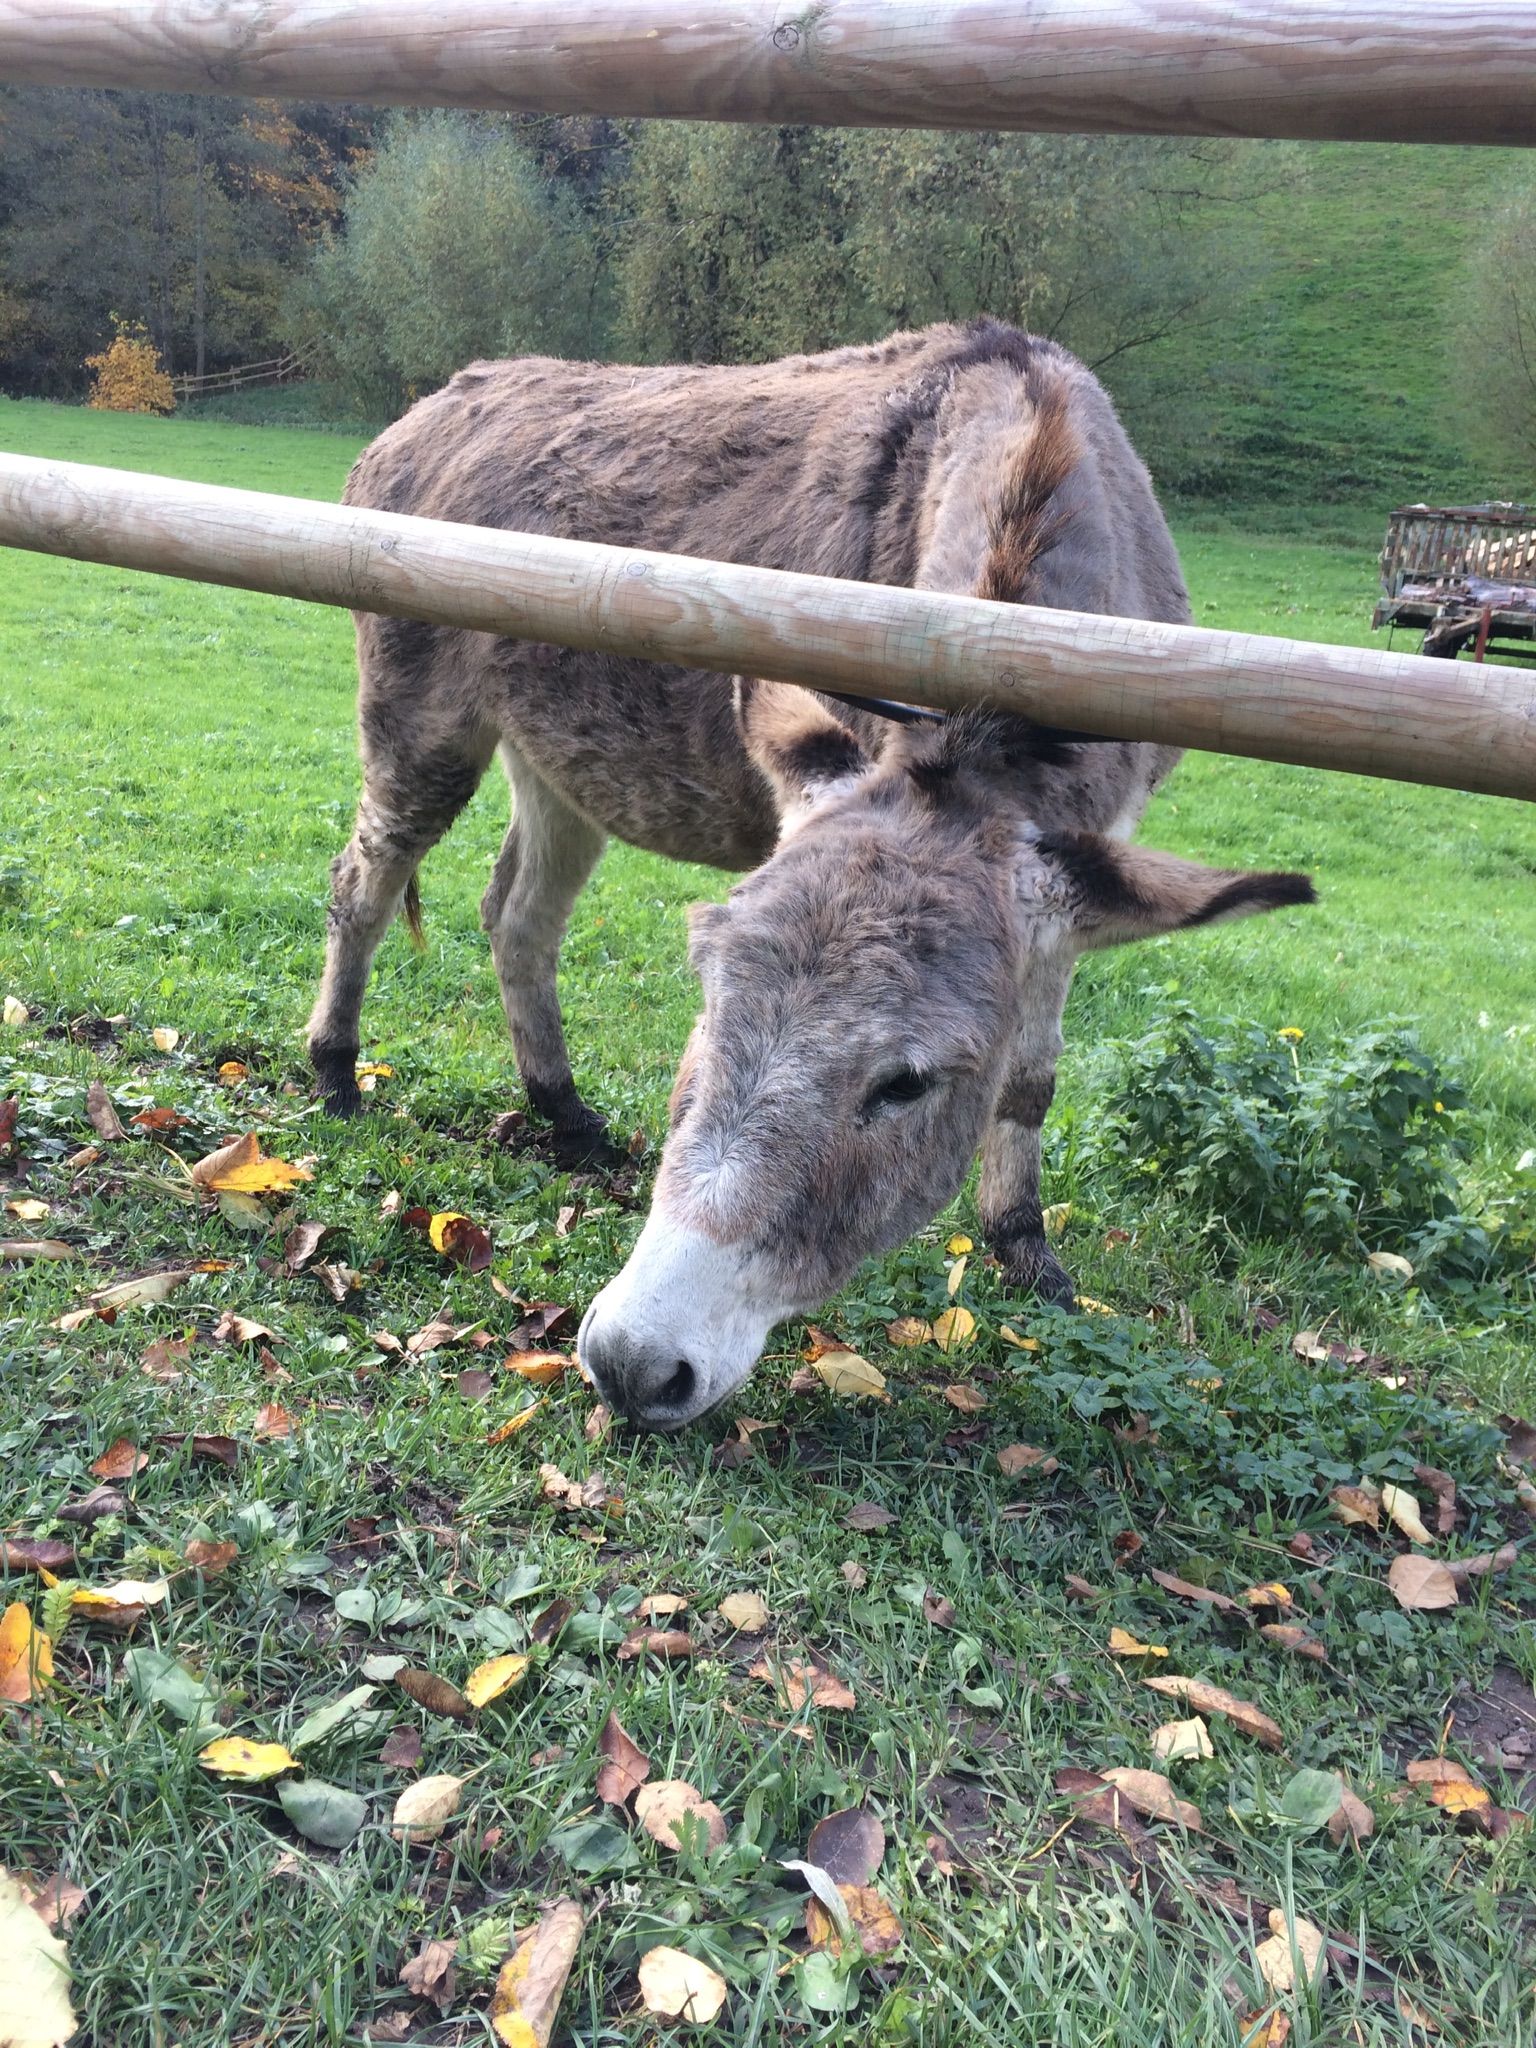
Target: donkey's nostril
<point>678,1389</point>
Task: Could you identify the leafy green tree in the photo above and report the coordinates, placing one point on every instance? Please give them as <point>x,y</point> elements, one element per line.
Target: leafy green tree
<point>453,247</point>
<point>1497,338</point>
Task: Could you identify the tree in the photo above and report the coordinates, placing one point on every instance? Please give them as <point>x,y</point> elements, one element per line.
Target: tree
<point>1495,353</point>
<point>452,247</point>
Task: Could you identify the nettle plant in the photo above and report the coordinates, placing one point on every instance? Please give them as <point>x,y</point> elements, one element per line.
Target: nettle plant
<point>1349,1146</point>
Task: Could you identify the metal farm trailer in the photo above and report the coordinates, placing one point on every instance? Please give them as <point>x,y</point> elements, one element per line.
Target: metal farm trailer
<point>1466,574</point>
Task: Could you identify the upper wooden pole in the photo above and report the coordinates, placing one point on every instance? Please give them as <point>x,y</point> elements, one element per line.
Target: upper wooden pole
<point>1382,70</point>
<point>1458,724</point>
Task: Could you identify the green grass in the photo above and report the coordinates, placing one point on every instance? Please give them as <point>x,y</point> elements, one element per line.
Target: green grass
<point>179,770</point>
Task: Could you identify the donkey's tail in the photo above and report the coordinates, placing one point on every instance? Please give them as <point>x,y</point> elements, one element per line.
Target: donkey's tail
<point>410,910</point>
<point>1027,517</point>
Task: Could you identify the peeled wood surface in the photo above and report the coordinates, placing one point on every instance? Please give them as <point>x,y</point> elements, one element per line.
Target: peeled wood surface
<point>1414,71</point>
<point>1456,724</point>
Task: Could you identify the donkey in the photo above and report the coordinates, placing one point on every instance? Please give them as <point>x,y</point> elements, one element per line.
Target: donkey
<point>883,993</point>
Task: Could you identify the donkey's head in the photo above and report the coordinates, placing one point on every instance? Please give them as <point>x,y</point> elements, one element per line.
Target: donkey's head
<point>861,990</point>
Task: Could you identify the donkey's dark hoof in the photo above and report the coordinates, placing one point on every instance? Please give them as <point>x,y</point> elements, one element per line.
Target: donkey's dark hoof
<point>336,1079</point>
<point>572,1146</point>
<point>1031,1267</point>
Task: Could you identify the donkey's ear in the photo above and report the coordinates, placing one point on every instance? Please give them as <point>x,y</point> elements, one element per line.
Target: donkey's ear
<point>1114,893</point>
<point>806,753</point>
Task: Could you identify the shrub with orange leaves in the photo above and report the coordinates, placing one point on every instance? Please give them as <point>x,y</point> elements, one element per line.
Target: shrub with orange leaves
<point>128,374</point>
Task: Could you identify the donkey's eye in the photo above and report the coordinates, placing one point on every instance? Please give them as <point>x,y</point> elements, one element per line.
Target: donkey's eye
<point>906,1085</point>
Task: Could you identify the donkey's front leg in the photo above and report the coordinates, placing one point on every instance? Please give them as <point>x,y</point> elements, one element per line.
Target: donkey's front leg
<point>1009,1197</point>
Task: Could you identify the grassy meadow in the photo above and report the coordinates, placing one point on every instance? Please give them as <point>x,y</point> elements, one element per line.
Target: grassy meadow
<point>178,771</point>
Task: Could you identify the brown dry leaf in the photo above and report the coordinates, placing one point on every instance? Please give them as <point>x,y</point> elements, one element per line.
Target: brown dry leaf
<point>872,1918</point>
<point>865,1516</point>
<point>159,1120</point>
<point>1421,1582</point>
<point>908,1331</point>
<point>1123,1644</point>
<point>402,1749</point>
<point>668,1644</point>
<point>578,1496</point>
<point>1079,1589</point>
<point>662,1806</point>
<point>854,1573</point>
<point>473,1384</point>
<point>1097,1801</point>
<point>1126,1545</point>
<point>29,1251</point>
<point>431,1973</point>
<point>1289,1635</point>
<point>661,1606</point>
<point>1179,1741</point>
<point>460,1239</point>
<point>233,1329</point>
<point>1451,1787</point>
<point>239,1167</point>
<point>969,1400</point>
<point>1013,1459</point>
<point>211,1558</point>
<point>1443,1487</point>
<point>1279,1956</point>
<point>1214,1699</point>
<point>799,1681</point>
<point>273,1421</point>
<point>676,1985</point>
<point>1486,1561</point>
<point>56,1900</point>
<point>105,1121</point>
<point>516,1425</point>
<point>36,1553</point>
<point>547,1625</point>
<point>489,1681</point>
<point>217,1450</point>
<point>164,1359</point>
<point>1172,1583</point>
<point>539,1368</point>
<point>625,1766</point>
<point>938,1609</point>
<point>1357,1504</point>
<point>434,1693</point>
<point>1150,1793</point>
<point>1403,1509</point>
<point>745,1612</point>
<point>424,1808</point>
<point>1351,1819</point>
<point>598,1424</point>
<point>301,1244</point>
<point>532,1980</point>
<point>100,1501</point>
<point>145,1290</point>
<point>954,1329</point>
<point>26,1657</point>
<point>120,1460</point>
<point>849,1846</point>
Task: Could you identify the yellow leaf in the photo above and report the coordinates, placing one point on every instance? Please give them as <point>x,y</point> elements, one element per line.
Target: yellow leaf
<point>1213,1699</point>
<point>231,1072</point>
<point>871,1918</point>
<point>26,1209</point>
<point>745,1611</point>
<point>1150,1793</point>
<point>1279,1956</point>
<point>538,1368</point>
<point>491,1680</point>
<point>1178,1741</point>
<point>1091,1307</point>
<point>440,1226</point>
<point>1123,1644</point>
<point>1404,1510</point>
<point>956,1276</point>
<point>26,1656</point>
<point>240,1168</point>
<point>1019,1343</point>
<point>234,1756</point>
<point>519,1422</point>
<point>1054,1219</point>
<point>1389,1262</point>
<point>127,1596</point>
<point>676,1985</point>
<point>16,1012</point>
<point>424,1809</point>
<point>1270,1594</point>
<point>166,1037</point>
<point>670,1809</point>
<point>907,1331</point>
<point>954,1328</point>
<point>959,1245</point>
<point>846,1374</point>
<point>531,1981</point>
<point>34,1977</point>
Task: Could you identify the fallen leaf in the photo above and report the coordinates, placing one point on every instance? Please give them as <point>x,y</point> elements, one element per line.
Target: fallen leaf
<point>1213,1699</point>
<point>954,1329</point>
<point>969,1400</point>
<point>908,1331</point>
<point>849,1846</point>
<point>433,1693</point>
<point>424,1809</point>
<point>1278,1957</point>
<point>120,1460</point>
<point>1123,1644</point>
<point>1054,1218</point>
<point>301,1244</point>
<point>1464,1568</point>
<point>579,1496</point>
<point>1171,1583</point>
<point>1126,1545</point>
<point>598,1424</point>
<point>16,1012</point>
<point>959,1245</point>
<point>850,1377</point>
<point>661,1606</point>
<point>36,1553</point>
<point>99,1502</point>
<point>1402,1507</point>
<point>1288,1635</point>
<point>35,2011</point>
<point>165,1038</point>
<point>938,1609</point>
<point>865,1516</point>
<point>218,1450</point>
<point>323,1813</point>
<point>27,1209</point>
<point>1103,1805</point>
<point>1180,1741</point>
<point>127,1596</point>
<point>1421,1582</point>
<point>516,1425</point>
<point>956,1276</point>
<point>1270,2029</point>
<point>490,1680</point>
<point>1011,1336</point>
<point>211,1558</point>
<point>164,1359</point>
<point>1352,1819</point>
<point>532,1980</point>
<point>8,1111</point>
<point>1013,1459</point>
<point>273,1421</point>
<point>625,1766</point>
<point>546,1626</point>
<point>431,1974</point>
<point>670,1804</point>
<point>1150,1793</point>
<point>800,1681</point>
<point>27,1251</point>
<point>57,1900</point>
<point>1079,1589</point>
<point>232,1072</point>
<point>105,1121</point>
<point>1389,1262</point>
<point>1270,1594</point>
<point>676,1985</point>
<point>159,1120</point>
<point>1450,1786</point>
<point>1354,1505</point>
<point>236,1756</point>
<point>231,1328</point>
<point>539,1368</point>
<point>872,1920</point>
<point>854,1573</point>
<point>669,1645</point>
<point>473,1384</point>
<point>26,1657</point>
<point>460,1239</point>
<point>402,1749</point>
<point>747,1612</point>
<point>240,1168</point>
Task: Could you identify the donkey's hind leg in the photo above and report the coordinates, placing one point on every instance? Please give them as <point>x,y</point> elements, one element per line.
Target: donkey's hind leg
<point>399,819</point>
<point>546,858</point>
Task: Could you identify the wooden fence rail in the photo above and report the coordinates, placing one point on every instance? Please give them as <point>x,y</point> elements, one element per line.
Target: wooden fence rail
<point>1383,70</point>
<point>1371,713</point>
